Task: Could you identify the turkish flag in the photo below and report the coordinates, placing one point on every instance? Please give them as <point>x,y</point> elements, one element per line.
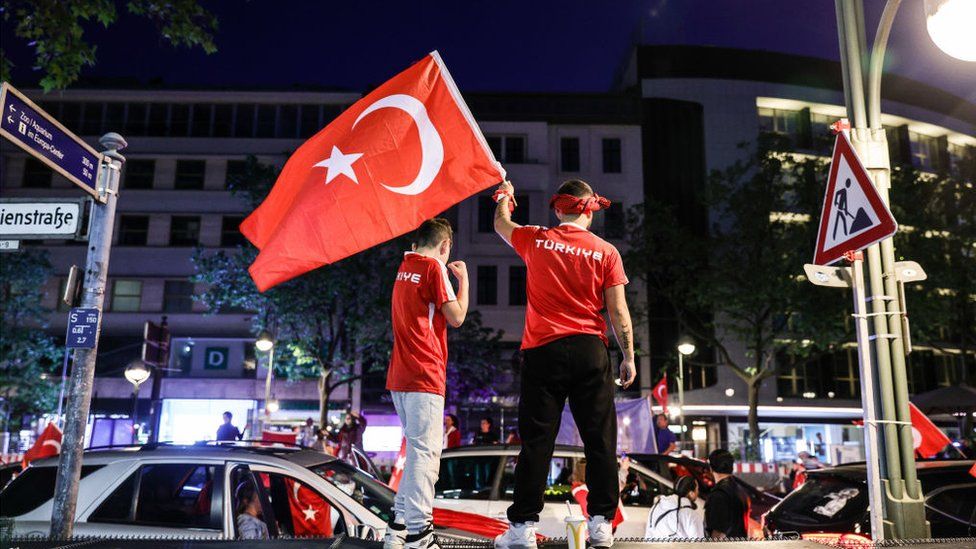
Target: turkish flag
<point>47,445</point>
<point>310,514</point>
<point>929,440</point>
<point>397,473</point>
<point>660,392</point>
<point>403,154</point>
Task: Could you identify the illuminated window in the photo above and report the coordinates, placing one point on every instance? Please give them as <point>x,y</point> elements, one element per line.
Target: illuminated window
<point>126,295</point>
<point>924,150</point>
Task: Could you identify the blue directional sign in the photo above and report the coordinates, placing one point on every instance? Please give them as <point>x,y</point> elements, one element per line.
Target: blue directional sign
<point>82,327</point>
<point>38,133</point>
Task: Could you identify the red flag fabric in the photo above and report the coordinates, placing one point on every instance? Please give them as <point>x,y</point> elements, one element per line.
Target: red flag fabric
<point>310,514</point>
<point>397,473</point>
<point>47,445</point>
<point>284,437</point>
<point>972,470</point>
<point>929,440</point>
<point>469,522</point>
<point>404,153</point>
<point>660,393</point>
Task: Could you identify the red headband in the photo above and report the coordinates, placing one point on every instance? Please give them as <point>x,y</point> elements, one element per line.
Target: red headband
<point>569,204</point>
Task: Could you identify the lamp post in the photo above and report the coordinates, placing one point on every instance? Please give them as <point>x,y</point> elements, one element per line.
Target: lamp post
<point>137,373</point>
<point>686,347</point>
<point>265,343</point>
<point>904,512</point>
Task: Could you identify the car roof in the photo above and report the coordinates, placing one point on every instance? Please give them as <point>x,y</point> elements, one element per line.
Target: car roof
<point>303,457</point>
<point>502,449</point>
<point>859,469</point>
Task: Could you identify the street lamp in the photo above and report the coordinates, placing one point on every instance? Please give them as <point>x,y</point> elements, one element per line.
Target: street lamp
<point>265,343</point>
<point>137,373</point>
<point>950,25</point>
<point>686,347</point>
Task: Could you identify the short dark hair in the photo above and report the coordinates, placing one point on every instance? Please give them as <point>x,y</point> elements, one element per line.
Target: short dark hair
<point>243,495</point>
<point>659,416</point>
<point>489,420</point>
<point>228,414</point>
<point>432,232</point>
<point>454,419</point>
<point>685,485</point>
<point>575,187</point>
<point>721,461</point>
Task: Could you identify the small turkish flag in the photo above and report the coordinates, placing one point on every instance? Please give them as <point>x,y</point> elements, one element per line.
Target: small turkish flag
<point>660,392</point>
<point>47,445</point>
<point>397,473</point>
<point>404,153</point>
<point>929,440</point>
<point>310,514</point>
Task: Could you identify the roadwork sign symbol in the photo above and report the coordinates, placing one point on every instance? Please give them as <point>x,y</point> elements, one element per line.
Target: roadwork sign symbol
<point>853,216</point>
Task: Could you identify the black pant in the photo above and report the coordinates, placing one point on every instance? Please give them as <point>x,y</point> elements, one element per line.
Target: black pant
<point>577,367</point>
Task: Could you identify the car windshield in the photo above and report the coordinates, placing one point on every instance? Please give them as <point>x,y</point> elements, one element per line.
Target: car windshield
<point>824,500</point>
<point>372,494</point>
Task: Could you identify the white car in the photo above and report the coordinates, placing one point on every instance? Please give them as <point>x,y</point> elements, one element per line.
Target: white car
<point>481,480</point>
<point>188,491</point>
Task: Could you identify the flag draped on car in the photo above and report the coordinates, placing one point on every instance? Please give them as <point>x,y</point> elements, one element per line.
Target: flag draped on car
<point>407,151</point>
<point>47,445</point>
<point>310,514</point>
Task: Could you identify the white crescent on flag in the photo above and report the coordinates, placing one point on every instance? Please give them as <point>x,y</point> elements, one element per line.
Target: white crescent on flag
<point>56,444</point>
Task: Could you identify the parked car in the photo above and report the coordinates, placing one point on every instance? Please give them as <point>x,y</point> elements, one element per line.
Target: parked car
<point>835,501</point>
<point>188,491</point>
<point>481,480</point>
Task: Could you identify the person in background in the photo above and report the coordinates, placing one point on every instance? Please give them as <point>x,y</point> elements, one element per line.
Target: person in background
<point>350,435</point>
<point>666,441</point>
<point>820,447</point>
<point>486,435</point>
<point>677,515</point>
<point>727,506</point>
<point>248,509</point>
<point>306,434</point>
<point>452,435</point>
<point>513,436</point>
<point>804,462</point>
<point>227,431</point>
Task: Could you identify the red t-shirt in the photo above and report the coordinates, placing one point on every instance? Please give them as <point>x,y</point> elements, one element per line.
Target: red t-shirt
<point>568,268</point>
<point>419,360</point>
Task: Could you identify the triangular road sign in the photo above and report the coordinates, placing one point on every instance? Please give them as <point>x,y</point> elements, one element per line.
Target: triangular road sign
<point>853,216</point>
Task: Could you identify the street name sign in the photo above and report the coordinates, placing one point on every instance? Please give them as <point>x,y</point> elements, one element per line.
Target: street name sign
<point>38,133</point>
<point>82,327</point>
<point>854,216</point>
<point>41,218</point>
<point>9,245</point>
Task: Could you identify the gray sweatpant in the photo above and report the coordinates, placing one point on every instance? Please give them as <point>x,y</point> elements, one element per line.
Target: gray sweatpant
<point>422,417</point>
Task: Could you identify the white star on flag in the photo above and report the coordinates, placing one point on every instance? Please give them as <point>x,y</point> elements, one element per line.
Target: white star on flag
<point>339,163</point>
<point>310,513</point>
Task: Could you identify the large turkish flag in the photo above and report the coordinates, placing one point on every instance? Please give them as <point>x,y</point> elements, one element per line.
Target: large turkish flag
<point>404,153</point>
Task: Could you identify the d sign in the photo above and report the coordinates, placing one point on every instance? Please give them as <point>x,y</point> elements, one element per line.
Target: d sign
<point>216,358</point>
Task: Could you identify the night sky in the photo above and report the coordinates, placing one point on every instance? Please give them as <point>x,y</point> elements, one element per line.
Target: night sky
<point>496,45</point>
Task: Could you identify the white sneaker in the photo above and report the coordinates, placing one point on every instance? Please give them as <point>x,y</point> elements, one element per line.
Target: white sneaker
<point>601,531</point>
<point>396,536</point>
<point>423,540</point>
<point>520,535</point>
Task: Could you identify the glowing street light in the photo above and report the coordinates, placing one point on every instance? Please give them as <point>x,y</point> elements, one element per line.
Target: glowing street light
<point>950,24</point>
<point>686,347</point>
<point>264,342</point>
<point>137,373</point>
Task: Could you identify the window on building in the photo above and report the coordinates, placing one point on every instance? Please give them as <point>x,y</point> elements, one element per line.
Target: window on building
<point>521,213</point>
<point>190,175</point>
<point>309,121</point>
<point>612,162</point>
<point>287,121</point>
<point>179,120</point>
<point>244,121</point>
<point>133,230</point>
<point>230,234</point>
<point>487,285</point>
<point>158,120</point>
<point>184,230</point>
<point>91,122</point>
<point>235,173</point>
<point>37,175</point>
<point>924,151</point>
<point>223,120</point>
<point>71,116</point>
<point>516,285</point>
<point>126,295</point>
<point>265,121</point>
<point>139,174</point>
<point>201,120</point>
<point>115,116</point>
<point>569,154</point>
<point>486,214</point>
<point>777,121</point>
<point>510,149</point>
<point>178,296</point>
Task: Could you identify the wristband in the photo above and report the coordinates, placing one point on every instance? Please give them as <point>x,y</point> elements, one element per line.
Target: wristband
<point>499,194</point>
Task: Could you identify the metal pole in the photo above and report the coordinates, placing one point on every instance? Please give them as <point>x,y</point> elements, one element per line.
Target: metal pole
<point>64,380</point>
<point>867,399</point>
<point>681,395</point>
<point>135,411</point>
<point>83,374</point>
<point>267,394</point>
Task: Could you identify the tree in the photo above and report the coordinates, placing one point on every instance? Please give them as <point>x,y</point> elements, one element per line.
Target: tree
<point>332,323</point>
<point>28,355</point>
<point>55,30</point>
<point>740,284</point>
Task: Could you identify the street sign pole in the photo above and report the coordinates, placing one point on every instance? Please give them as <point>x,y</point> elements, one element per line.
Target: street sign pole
<point>83,373</point>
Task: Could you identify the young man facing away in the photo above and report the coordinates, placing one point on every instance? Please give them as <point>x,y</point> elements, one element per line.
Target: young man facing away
<point>572,275</point>
<point>423,305</point>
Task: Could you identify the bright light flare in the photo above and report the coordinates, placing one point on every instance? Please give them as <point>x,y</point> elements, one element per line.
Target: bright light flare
<point>950,24</point>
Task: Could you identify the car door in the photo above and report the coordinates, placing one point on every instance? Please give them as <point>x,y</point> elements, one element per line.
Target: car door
<point>466,483</point>
<point>641,489</point>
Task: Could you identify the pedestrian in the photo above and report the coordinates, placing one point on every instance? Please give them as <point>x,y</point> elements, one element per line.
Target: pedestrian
<point>513,436</point>
<point>804,462</point>
<point>248,509</point>
<point>350,435</point>
<point>571,276</point>
<point>227,431</point>
<point>677,515</point>
<point>727,506</point>
<point>452,435</point>
<point>666,441</point>
<point>423,304</point>
<point>306,434</point>
<point>486,433</point>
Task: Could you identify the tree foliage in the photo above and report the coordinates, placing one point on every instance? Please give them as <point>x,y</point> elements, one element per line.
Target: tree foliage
<point>28,356</point>
<point>55,29</point>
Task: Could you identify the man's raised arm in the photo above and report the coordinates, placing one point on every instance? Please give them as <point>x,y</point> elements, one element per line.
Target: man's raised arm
<point>505,194</point>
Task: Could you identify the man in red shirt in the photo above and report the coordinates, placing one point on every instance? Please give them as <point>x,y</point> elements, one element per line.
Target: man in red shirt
<point>423,304</point>
<point>572,275</point>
